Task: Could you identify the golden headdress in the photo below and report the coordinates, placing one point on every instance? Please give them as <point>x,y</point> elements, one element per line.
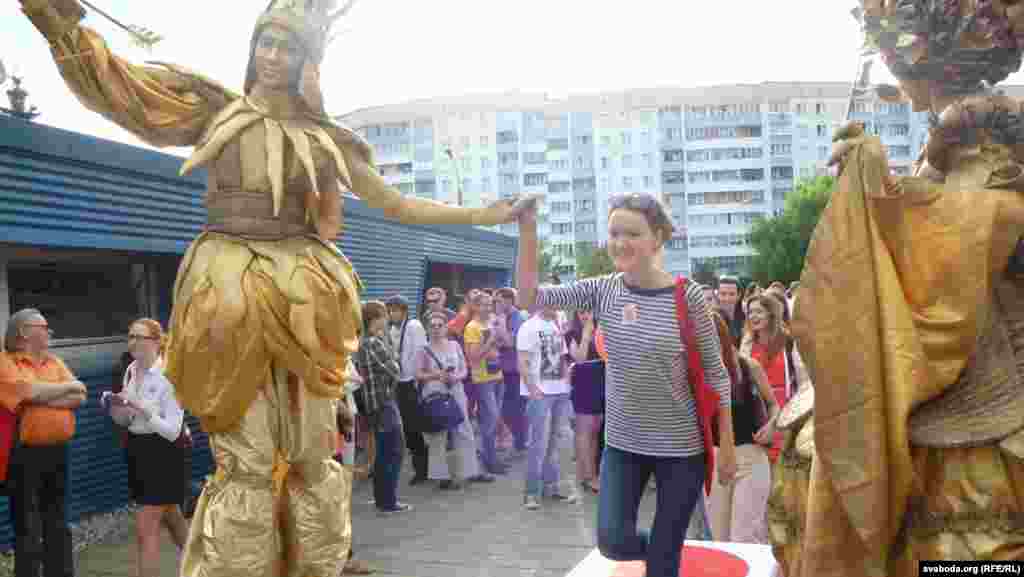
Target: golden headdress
<point>310,21</point>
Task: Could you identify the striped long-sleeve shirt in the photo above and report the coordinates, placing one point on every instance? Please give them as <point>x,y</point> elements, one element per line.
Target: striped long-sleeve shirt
<point>649,408</point>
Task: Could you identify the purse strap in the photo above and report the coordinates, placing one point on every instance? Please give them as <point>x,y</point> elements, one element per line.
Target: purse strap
<point>433,356</point>
<point>688,335</point>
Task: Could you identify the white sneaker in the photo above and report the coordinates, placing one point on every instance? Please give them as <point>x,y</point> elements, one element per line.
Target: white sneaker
<point>571,498</point>
<point>531,503</point>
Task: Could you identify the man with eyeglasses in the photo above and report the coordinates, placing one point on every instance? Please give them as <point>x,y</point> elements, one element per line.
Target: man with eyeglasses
<point>39,388</point>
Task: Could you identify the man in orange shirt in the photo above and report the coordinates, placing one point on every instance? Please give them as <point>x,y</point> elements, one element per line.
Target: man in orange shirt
<point>38,386</point>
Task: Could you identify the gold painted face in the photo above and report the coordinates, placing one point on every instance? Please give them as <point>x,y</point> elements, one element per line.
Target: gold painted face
<point>277,57</point>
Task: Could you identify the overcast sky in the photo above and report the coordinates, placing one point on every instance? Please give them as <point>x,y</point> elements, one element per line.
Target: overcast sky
<point>397,50</point>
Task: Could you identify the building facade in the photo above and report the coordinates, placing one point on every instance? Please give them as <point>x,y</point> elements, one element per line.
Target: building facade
<point>720,157</point>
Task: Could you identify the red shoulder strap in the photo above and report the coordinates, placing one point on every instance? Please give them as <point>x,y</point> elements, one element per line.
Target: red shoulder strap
<point>688,334</point>
<point>706,400</point>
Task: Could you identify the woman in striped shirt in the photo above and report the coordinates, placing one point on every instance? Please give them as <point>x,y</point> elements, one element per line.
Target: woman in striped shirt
<point>650,415</point>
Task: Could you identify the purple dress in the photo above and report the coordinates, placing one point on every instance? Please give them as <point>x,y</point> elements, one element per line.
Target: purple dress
<point>587,380</point>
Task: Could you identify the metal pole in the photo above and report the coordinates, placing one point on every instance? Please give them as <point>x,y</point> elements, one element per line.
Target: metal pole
<point>458,175</point>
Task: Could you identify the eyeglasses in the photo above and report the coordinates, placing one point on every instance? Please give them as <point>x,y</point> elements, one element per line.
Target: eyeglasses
<point>143,337</point>
<point>633,200</point>
<point>49,331</point>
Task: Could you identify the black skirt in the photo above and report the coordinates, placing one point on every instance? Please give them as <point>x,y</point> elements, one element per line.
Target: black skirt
<point>156,470</point>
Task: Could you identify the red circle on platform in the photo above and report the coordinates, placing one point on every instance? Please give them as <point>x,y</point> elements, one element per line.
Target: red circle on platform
<point>697,562</point>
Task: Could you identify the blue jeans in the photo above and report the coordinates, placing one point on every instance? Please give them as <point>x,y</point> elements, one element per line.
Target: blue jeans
<point>547,421</point>
<point>388,467</point>
<point>624,477</point>
<point>491,396</point>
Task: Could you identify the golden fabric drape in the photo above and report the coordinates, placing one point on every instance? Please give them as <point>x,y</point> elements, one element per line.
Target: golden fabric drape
<point>908,278</point>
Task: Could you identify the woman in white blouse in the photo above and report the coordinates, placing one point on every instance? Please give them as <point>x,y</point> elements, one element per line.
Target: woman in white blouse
<point>156,464</point>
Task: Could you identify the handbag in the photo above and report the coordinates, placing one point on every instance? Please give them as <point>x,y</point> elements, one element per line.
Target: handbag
<point>440,410</point>
<point>760,407</point>
<point>706,398</point>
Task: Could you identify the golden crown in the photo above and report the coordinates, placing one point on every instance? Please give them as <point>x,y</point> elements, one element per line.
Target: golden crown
<point>310,20</point>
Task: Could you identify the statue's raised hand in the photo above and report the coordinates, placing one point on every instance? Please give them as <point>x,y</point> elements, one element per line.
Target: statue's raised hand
<point>852,143</point>
<point>508,210</point>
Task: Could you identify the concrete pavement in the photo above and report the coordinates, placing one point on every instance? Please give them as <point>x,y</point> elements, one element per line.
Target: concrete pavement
<point>482,532</point>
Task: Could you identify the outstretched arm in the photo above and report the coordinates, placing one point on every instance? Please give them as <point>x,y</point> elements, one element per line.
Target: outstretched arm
<point>161,106</point>
<point>367,184</point>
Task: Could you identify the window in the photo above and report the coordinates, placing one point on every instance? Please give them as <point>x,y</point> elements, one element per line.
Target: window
<point>606,140</point>
<point>583,205</point>
<point>558,143</point>
<point>604,185</point>
<point>533,158</point>
<point>561,227</point>
<point>579,162</point>
<point>559,186</point>
<point>627,161</point>
<point>648,182</point>
<point>604,163</point>
<point>627,183</point>
<point>585,227</point>
<point>507,136</point>
<point>822,131</point>
<point>647,160</point>
<point>583,184</point>
<point>465,142</point>
<point>672,177</point>
<point>485,163</point>
<point>467,185</point>
<point>627,138</point>
<point>485,184</point>
<point>900,129</point>
<point>63,293</point>
<point>672,155</point>
<point>782,149</point>
<point>583,140</point>
<point>535,179</point>
<point>823,152</point>
<point>713,132</point>
<point>507,159</point>
<point>899,151</point>
<point>819,108</point>
<point>466,163</point>
<point>509,179</point>
<point>782,172</point>
<point>484,141</point>
<point>445,185</point>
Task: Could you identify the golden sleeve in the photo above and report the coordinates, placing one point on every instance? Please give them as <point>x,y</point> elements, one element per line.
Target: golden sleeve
<point>367,184</point>
<point>161,107</point>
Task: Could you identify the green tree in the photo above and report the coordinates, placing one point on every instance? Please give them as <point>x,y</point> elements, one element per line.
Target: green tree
<point>704,273</point>
<point>781,242</point>
<point>593,261</point>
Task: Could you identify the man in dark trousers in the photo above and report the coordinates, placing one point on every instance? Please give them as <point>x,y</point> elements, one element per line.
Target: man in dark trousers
<point>407,338</point>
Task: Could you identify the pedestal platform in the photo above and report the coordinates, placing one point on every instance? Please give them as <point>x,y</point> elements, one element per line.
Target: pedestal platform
<point>700,559</point>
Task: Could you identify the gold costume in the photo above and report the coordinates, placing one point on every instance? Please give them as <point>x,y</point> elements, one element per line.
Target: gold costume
<point>913,276</point>
<point>266,309</point>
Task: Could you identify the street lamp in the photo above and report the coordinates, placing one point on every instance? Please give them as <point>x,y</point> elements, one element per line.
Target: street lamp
<point>458,176</point>
<point>17,96</point>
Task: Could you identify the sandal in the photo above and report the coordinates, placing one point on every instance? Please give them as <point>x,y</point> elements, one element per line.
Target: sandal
<point>590,487</point>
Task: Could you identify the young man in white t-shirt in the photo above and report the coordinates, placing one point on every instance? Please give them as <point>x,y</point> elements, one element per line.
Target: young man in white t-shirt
<point>544,373</point>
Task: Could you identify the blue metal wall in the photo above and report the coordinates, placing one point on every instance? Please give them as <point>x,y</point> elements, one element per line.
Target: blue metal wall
<point>62,190</point>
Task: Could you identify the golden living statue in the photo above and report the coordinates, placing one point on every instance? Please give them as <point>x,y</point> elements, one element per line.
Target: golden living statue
<point>266,308</point>
<point>915,450</point>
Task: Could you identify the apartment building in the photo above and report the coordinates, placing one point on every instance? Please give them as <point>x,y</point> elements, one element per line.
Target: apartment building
<point>720,157</point>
